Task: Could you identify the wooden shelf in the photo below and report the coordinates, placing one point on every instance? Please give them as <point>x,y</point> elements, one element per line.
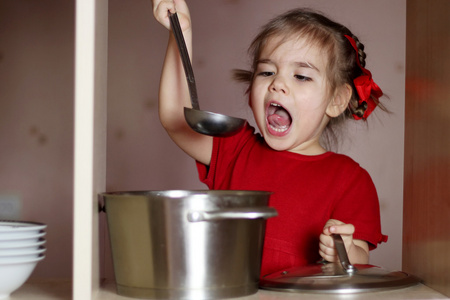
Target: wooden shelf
<point>62,290</point>
<point>44,289</point>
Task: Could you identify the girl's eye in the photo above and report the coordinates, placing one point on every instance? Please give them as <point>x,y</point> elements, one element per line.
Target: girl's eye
<point>302,78</point>
<point>266,74</point>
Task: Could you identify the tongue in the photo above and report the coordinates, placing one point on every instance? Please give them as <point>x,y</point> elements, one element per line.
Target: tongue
<point>279,118</point>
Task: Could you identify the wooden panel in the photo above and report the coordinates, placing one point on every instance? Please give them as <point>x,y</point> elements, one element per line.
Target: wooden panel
<point>90,141</point>
<point>426,237</point>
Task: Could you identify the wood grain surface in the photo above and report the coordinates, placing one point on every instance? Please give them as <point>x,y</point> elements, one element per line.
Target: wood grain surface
<point>426,223</point>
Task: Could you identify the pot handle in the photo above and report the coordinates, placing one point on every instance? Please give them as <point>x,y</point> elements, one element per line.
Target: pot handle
<point>232,213</point>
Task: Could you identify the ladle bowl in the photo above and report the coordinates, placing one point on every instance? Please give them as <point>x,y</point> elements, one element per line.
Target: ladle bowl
<point>210,123</point>
<point>204,122</point>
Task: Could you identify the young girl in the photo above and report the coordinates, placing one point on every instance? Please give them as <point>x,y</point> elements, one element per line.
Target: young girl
<point>307,75</point>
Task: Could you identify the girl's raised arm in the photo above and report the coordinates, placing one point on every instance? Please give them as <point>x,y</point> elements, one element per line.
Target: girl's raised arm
<point>173,89</point>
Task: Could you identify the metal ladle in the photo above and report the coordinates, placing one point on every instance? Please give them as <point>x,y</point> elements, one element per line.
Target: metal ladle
<point>202,121</point>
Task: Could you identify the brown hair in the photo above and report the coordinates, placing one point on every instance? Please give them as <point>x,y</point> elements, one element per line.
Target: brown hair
<point>342,66</point>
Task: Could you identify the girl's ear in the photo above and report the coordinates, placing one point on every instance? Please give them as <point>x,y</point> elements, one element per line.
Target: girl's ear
<point>340,100</point>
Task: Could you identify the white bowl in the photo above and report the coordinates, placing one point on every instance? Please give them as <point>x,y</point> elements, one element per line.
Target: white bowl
<point>11,225</point>
<point>8,225</point>
<point>27,238</point>
<point>11,229</point>
<point>23,248</point>
<point>8,255</point>
<point>14,274</point>
<point>21,244</point>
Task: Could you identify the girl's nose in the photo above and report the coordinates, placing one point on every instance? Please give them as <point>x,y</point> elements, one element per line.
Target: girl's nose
<point>278,85</point>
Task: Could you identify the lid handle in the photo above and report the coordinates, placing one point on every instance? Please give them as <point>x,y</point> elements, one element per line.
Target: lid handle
<point>342,254</point>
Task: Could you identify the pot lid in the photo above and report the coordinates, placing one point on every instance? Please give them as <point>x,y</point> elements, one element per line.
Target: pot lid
<point>325,277</point>
<point>331,278</point>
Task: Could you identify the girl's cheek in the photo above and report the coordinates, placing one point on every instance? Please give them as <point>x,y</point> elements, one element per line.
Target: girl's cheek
<point>250,99</point>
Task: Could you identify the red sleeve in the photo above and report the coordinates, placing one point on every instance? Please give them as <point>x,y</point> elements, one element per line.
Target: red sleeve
<point>225,151</point>
<point>206,173</point>
<point>359,206</point>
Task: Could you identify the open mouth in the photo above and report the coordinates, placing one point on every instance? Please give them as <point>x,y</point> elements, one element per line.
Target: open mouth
<point>278,118</point>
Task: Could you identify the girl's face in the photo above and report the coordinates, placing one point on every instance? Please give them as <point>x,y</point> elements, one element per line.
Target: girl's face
<point>290,95</point>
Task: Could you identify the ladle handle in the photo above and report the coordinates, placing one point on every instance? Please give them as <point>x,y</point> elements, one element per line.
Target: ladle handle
<point>176,28</point>
<point>342,254</point>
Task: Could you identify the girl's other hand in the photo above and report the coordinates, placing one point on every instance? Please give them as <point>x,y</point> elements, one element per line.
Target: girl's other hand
<point>357,250</point>
<point>162,7</point>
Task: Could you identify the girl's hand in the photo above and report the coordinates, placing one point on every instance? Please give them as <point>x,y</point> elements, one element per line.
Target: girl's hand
<point>357,250</point>
<point>162,7</point>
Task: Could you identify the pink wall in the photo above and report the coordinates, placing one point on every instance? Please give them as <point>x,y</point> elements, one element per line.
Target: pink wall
<point>36,103</point>
<point>36,120</point>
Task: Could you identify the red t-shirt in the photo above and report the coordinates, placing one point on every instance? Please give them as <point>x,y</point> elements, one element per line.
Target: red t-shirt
<point>307,192</point>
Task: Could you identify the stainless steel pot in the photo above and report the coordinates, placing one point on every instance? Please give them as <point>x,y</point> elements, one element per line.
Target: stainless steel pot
<point>182,244</point>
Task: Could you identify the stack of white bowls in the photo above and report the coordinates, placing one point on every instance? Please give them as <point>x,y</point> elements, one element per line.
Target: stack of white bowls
<point>22,246</point>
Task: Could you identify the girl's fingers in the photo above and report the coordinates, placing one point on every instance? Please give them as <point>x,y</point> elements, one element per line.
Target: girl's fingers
<point>328,257</point>
<point>326,248</point>
<point>338,227</point>
<point>345,229</point>
<point>162,7</point>
<point>329,224</point>
<point>160,11</point>
<point>326,241</point>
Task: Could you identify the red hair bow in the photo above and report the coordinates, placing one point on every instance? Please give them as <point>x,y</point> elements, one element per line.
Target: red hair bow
<point>368,91</point>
